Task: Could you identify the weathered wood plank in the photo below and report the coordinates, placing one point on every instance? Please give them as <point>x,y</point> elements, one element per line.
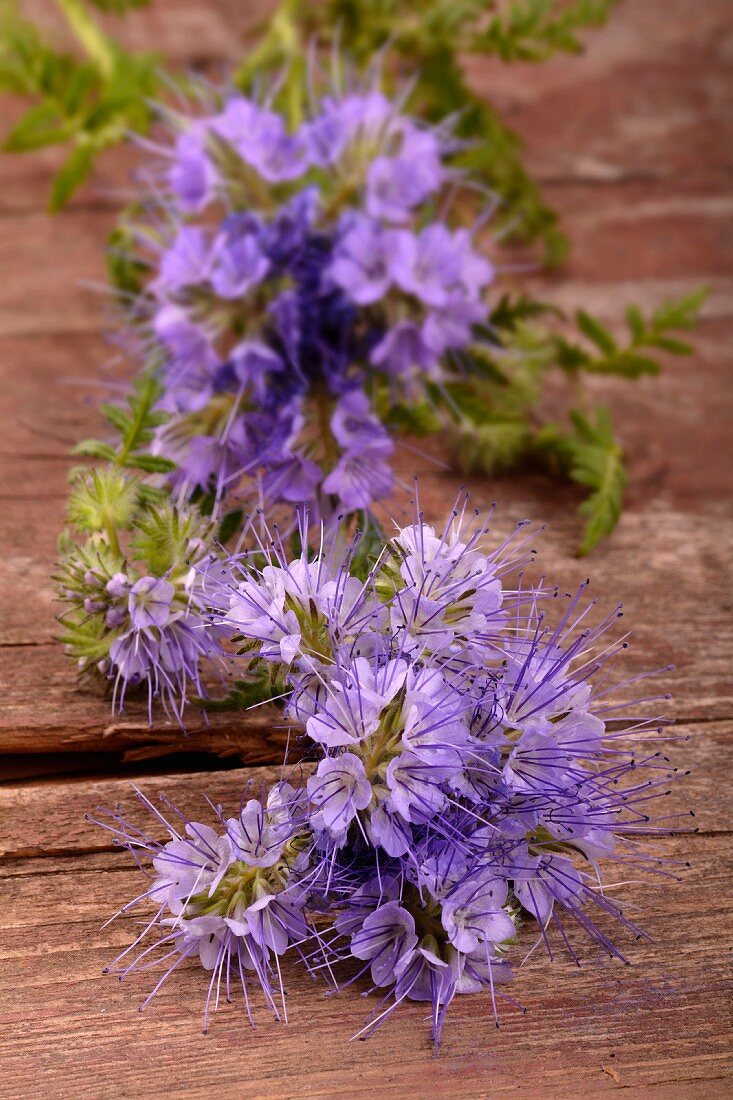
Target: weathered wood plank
<point>660,1022</point>
<point>46,816</point>
<point>649,97</point>
<point>50,712</point>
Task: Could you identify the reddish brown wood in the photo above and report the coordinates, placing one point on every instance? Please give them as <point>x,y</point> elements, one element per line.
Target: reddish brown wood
<point>633,143</point>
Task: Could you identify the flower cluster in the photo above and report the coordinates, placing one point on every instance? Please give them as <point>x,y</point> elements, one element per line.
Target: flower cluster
<point>138,616</point>
<point>462,780</point>
<point>304,283</point>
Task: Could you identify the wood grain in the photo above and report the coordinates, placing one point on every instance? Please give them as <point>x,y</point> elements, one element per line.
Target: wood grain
<point>632,142</point>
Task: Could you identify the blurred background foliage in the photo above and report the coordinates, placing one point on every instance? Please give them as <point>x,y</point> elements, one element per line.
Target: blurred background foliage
<point>92,99</point>
<point>98,95</point>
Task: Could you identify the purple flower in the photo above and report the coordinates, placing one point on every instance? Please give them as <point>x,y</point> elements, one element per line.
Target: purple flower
<point>292,478</point>
<point>354,424</point>
<point>388,831</point>
<point>451,327</point>
<point>258,834</point>
<point>253,363</point>
<point>385,938</point>
<point>118,585</point>
<point>258,135</point>
<point>423,975</point>
<point>541,881</point>
<point>348,711</point>
<point>473,916</point>
<point>231,915</point>
<point>464,778</point>
<point>190,865</point>
<point>192,362</point>
<point>395,185</point>
<point>429,265</point>
<point>403,351</point>
<point>362,263</point>
<point>192,177</point>
<point>338,790</point>
<point>361,475</point>
<point>416,785</point>
<point>238,261</point>
<point>150,602</point>
<point>185,262</point>
<point>360,118</point>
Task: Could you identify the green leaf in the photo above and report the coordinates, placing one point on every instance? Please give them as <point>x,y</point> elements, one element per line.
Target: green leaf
<point>418,419</point>
<point>71,176</point>
<point>230,525</point>
<point>163,536</point>
<point>680,312</point>
<point>533,30</point>
<point>628,364</point>
<point>593,458</point>
<point>511,313</point>
<point>38,127</point>
<point>116,416</point>
<point>126,271</point>
<point>95,448</point>
<point>595,331</point>
<point>119,7</point>
<point>102,500</point>
<point>670,344</point>
<point>244,694</point>
<point>151,464</point>
<point>369,548</point>
<point>635,321</point>
<point>490,446</point>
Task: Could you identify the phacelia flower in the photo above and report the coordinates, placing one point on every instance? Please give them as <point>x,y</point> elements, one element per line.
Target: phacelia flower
<point>295,272</point>
<point>142,621</point>
<point>466,783</point>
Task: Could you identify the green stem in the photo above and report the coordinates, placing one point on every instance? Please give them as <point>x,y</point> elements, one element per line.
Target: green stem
<point>111,531</point>
<point>96,43</point>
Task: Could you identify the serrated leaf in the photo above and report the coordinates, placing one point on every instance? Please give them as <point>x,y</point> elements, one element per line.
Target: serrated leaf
<point>119,7</point>
<point>596,461</point>
<point>95,448</point>
<point>38,127</point>
<point>511,312</point>
<point>71,176</point>
<point>596,332</point>
<point>629,364</point>
<point>369,548</point>
<point>489,446</point>
<point>571,357</point>
<point>244,695</point>
<point>635,321</point>
<point>116,416</point>
<point>670,344</point>
<point>680,312</point>
<point>151,464</point>
<point>602,509</point>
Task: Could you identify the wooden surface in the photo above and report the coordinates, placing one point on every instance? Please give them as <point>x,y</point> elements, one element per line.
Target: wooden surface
<point>634,144</point>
